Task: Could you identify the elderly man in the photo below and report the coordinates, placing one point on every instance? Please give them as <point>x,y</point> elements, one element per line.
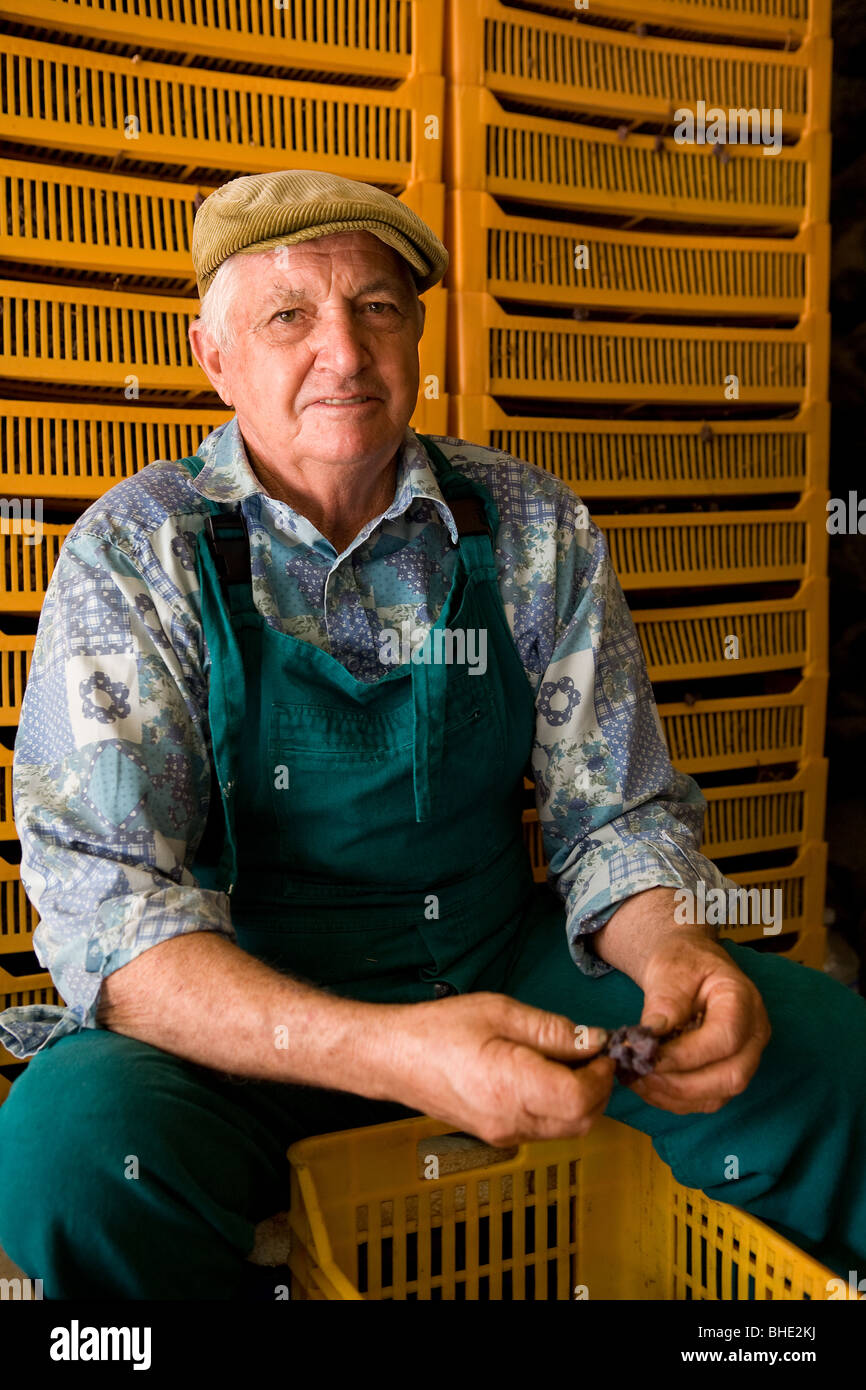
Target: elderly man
<point>278,857</point>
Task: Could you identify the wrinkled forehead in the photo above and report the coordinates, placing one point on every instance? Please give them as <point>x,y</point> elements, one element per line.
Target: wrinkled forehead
<point>356,261</point>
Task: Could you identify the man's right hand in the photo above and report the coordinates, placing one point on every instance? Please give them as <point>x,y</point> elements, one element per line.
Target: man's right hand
<point>494,1067</point>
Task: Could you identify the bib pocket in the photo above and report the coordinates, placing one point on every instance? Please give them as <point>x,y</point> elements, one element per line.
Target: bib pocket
<point>344,778</point>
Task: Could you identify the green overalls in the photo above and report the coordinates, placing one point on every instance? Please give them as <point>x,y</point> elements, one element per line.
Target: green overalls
<point>381,851</point>
<point>373,845</point>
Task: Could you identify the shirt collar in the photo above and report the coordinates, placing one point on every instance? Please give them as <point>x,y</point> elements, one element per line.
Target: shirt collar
<point>227,476</point>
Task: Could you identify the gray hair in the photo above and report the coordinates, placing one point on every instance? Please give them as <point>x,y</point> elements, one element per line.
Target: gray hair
<point>215,314</point>
<point>215,309</point>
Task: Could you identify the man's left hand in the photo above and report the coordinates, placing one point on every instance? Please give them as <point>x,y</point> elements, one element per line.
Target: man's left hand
<point>685,974</point>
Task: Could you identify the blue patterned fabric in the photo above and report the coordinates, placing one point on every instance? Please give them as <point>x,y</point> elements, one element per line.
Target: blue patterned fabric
<point>111,774</point>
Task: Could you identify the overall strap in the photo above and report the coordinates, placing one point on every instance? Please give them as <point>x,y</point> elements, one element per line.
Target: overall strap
<point>223,571</point>
<point>229,545</point>
<point>472,506</point>
<point>193,464</point>
<point>477,520</point>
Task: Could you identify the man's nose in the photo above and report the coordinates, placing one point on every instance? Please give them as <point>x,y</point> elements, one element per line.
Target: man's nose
<point>340,343</point>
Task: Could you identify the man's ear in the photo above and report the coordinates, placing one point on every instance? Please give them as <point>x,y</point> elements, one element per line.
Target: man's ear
<point>208,357</point>
<point>423,315</point>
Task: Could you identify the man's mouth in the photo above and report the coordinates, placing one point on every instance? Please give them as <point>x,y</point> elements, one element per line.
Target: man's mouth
<point>344,400</point>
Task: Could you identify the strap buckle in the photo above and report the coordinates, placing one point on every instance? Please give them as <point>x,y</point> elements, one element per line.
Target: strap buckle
<point>470,517</point>
<point>230,546</point>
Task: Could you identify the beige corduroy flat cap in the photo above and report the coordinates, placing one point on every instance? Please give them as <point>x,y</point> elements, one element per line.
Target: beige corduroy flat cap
<point>262,211</point>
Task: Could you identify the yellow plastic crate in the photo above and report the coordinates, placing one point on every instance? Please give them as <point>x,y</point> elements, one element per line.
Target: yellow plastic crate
<point>75,335</point>
<point>802,887</point>
<point>14,984</point>
<point>749,731</point>
<point>7,823</point>
<point>575,166</point>
<point>26,569</point>
<point>10,1065</point>
<point>427,199</point>
<point>533,260</point>
<point>669,458</point>
<point>431,416</point>
<point>774,635</point>
<point>106,223</point>
<point>766,815</point>
<point>432,360</point>
<point>89,221</point>
<point>586,69</point>
<point>160,116</point>
<point>700,549</point>
<point>18,916</point>
<point>780,20</point>
<point>21,995</point>
<point>55,449</point>
<point>495,353</point>
<point>381,39</point>
<point>810,949</point>
<point>16,653</point>
<point>599,1217</point>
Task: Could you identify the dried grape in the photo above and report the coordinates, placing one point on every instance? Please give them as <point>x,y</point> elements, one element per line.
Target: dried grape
<point>634,1049</point>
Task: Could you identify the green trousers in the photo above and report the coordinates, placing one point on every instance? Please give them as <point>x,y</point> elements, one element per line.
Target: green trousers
<point>127,1172</point>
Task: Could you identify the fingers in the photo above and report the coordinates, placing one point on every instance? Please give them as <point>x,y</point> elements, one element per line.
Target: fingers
<point>701,1071</point>
<point>540,1098</point>
<point>552,1102</point>
<point>580,1096</point>
<point>552,1034</point>
<point>662,1013</point>
<point>544,1084</point>
<point>704,1090</point>
<point>601,1073</point>
<point>734,1017</point>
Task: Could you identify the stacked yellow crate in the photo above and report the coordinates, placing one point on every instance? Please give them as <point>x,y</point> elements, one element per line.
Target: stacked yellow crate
<point>120,123</point>
<point>646,318</point>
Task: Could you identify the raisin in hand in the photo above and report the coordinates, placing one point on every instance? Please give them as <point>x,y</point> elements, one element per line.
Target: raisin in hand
<point>634,1049</point>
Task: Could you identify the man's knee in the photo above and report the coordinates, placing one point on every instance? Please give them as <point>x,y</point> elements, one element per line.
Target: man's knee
<point>818,1026</point>
<point>107,1146</point>
<point>803,997</point>
<point>59,1126</point>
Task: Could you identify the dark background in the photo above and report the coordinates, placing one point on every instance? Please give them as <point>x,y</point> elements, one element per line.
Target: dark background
<point>846,707</point>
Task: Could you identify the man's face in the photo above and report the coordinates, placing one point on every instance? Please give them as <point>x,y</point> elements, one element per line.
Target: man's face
<point>337,317</point>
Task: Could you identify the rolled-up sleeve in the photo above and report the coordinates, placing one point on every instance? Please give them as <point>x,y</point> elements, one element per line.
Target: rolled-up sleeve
<point>111,772</point>
<point>616,818</point>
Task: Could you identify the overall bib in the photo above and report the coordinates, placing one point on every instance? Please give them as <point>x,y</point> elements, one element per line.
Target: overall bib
<point>381,852</point>
<point>370,837</point>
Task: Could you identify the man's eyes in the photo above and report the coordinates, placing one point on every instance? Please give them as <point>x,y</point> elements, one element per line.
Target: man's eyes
<point>380,307</point>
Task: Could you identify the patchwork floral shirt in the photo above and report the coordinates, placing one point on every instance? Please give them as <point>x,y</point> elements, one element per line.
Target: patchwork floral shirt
<point>111,772</point>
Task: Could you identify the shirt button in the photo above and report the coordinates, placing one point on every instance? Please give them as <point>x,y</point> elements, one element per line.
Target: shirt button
<point>442,989</point>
